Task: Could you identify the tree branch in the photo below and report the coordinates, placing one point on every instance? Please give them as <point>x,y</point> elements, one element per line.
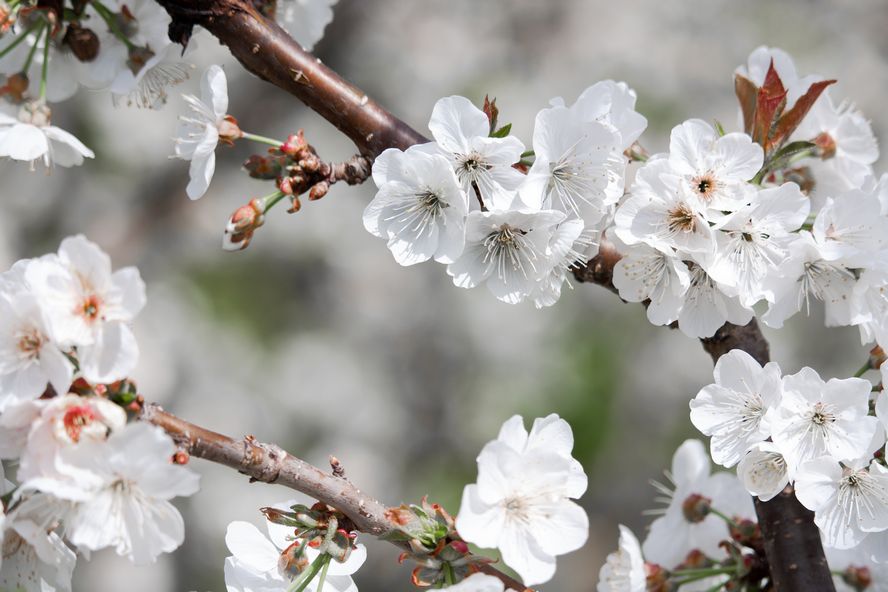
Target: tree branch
<point>269,463</point>
<point>267,51</point>
<point>793,543</point>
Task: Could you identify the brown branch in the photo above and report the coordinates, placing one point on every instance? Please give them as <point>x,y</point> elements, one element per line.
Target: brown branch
<point>267,51</point>
<point>792,540</point>
<point>269,463</point>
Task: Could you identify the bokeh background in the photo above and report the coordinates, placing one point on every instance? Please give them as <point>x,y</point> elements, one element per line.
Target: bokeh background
<point>316,339</point>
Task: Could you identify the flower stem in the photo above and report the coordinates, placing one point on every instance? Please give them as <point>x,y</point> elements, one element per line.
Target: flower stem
<point>723,516</point>
<point>323,575</point>
<point>44,74</point>
<point>527,154</point>
<point>863,370</point>
<point>112,23</point>
<point>17,41</point>
<point>305,578</point>
<point>449,579</point>
<point>263,140</point>
<point>269,201</point>
<point>33,51</point>
<point>702,574</point>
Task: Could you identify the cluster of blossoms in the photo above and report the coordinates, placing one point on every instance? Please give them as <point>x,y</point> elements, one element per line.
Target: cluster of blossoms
<point>786,211</point>
<point>464,200</point>
<point>86,476</point>
<point>825,438</point>
<point>521,505</point>
<point>49,50</point>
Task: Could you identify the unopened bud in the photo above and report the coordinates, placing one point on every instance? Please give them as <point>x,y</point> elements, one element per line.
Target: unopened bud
<point>293,561</point>
<point>15,88</point>
<point>858,578</point>
<point>7,18</point>
<point>746,532</point>
<point>295,143</point>
<point>826,146</point>
<point>877,357</point>
<point>402,515</point>
<point>696,508</point>
<point>319,190</point>
<point>241,226</point>
<point>181,457</point>
<point>656,578</point>
<point>491,111</point>
<point>84,43</point>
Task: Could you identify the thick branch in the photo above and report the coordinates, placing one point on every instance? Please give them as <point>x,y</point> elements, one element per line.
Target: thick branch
<point>792,540</point>
<point>267,51</point>
<point>271,464</point>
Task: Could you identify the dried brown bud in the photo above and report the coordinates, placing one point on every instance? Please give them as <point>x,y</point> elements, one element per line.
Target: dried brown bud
<point>84,43</point>
<point>319,190</point>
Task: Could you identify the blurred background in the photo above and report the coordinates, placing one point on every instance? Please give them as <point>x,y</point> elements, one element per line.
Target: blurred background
<point>316,339</point>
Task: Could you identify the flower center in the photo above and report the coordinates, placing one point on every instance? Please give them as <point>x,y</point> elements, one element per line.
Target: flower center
<point>75,419</point>
<point>821,415</point>
<point>681,218</point>
<point>704,185</point>
<point>30,342</point>
<point>91,308</point>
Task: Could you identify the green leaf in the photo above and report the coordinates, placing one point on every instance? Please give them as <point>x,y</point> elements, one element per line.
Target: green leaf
<point>719,127</point>
<point>502,132</point>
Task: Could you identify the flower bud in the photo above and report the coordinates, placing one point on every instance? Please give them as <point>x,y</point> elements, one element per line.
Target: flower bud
<point>826,146</point>
<point>16,86</point>
<point>7,18</point>
<point>492,112</point>
<point>747,532</point>
<point>696,508</point>
<point>241,226</point>
<point>319,190</point>
<point>84,43</point>
<point>858,578</point>
<point>877,357</point>
<point>295,144</point>
<point>229,131</point>
<point>293,561</point>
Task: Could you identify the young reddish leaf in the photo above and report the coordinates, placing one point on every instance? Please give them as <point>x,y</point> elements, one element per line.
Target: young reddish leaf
<point>746,92</point>
<point>770,102</point>
<point>491,111</point>
<point>792,118</point>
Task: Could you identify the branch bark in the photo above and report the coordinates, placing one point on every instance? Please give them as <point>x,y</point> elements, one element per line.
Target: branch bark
<point>269,463</point>
<point>793,547</point>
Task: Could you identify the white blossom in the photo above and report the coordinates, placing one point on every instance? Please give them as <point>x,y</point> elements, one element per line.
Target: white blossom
<point>758,63</point>
<point>624,570</point>
<point>763,471</point>
<point>478,582</point>
<point>122,493</point>
<point>578,166</point>
<point>90,307</point>
<point>258,564</point>
<point>507,250</point>
<point>419,207</point>
<point>733,410</point>
<point>29,358</point>
<point>199,132</point>
<point>570,246</point>
<point>305,20</point>
<point>521,502</point>
<point>611,103</point>
<point>755,241</point>
<point>676,533</point>
<point>461,132</point>
<point>851,231</point>
<point>816,418</point>
<point>708,305</point>
<point>645,273</point>
<point>848,502</point>
<point>31,137</point>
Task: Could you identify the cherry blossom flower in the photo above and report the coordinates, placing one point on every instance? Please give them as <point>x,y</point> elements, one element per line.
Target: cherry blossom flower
<point>29,359</point>
<point>64,422</point>
<point>259,564</point>
<point>847,146</point>
<point>461,132</point>
<point>624,570</point>
<point>419,207</point>
<point>869,306</point>
<point>144,84</point>
<point>756,240</point>
<point>854,569</point>
<point>88,306</point>
<point>714,169</point>
<point>611,103</point>
<point>680,529</point>
<point>648,274</point>
<point>569,247</point>
<point>763,471</point>
<point>201,130</point>
<point>521,504</point>
<point>733,410</point>
<point>31,137</point>
<point>851,231</point>
<point>708,305</point>
<point>805,274</point>
<point>507,250</point>
<point>122,492</point>
<point>816,418</point>
<point>305,20</point>
<point>848,502</point>
<point>478,582</point>
<point>578,167</point>
<point>662,213</point>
